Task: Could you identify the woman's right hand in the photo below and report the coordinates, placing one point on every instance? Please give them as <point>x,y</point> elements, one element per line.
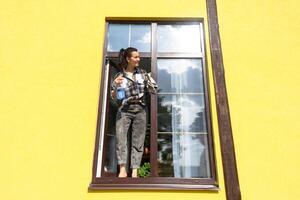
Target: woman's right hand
<point>119,80</point>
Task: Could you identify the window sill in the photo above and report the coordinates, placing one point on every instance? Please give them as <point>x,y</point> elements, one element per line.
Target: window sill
<point>153,184</point>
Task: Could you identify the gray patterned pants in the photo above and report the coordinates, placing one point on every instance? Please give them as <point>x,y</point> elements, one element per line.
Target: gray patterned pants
<point>135,115</point>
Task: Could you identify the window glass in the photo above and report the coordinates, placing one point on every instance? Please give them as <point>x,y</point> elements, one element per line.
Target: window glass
<point>180,113</point>
<point>140,37</point>
<point>182,137</point>
<point>180,75</point>
<point>126,35</point>
<point>118,36</point>
<point>182,131</point>
<point>183,155</point>
<point>179,38</point>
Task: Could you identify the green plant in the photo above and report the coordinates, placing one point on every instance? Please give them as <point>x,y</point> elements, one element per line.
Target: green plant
<point>144,170</point>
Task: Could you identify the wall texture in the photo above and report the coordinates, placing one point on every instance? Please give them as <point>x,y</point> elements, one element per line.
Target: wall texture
<point>261,45</point>
<point>50,71</point>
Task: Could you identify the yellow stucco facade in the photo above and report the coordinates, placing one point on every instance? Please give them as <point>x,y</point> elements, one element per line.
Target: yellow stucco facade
<point>50,72</point>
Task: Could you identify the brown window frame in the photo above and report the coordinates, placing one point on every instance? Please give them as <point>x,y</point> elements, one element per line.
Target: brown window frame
<point>154,182</point>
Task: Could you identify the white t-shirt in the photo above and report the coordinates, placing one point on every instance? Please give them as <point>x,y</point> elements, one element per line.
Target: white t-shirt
<point>129,75</point>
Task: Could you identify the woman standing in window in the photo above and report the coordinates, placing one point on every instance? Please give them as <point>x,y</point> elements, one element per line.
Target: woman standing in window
<point>129,87</point>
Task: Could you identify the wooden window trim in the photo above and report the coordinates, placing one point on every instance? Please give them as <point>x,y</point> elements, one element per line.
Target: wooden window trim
<point>153,110</point>
<point>225,131</point>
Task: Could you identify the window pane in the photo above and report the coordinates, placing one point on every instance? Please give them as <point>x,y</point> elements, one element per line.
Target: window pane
<point>118,37</point>
<point>140,37</point>
<point>179,38</point>
<point>168,116</point>
<point>181,113</point>
<point>182,129</point>
<point>126,35</point>
<point>183,155</point>
<point>180,75</point>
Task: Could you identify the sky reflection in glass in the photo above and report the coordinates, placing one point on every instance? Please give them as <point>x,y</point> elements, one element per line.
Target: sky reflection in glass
<point>179,38</point>
<point>181,113</point>
<point>183,156</point>
<point>180,75</point>
<point>129,35</point>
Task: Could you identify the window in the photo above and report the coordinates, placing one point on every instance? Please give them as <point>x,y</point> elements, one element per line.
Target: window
<point>179,133</point>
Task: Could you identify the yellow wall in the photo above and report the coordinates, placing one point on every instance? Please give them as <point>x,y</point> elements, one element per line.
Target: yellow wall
<point>261,45</point>
<point>51,56</point>
<point>50,69</point>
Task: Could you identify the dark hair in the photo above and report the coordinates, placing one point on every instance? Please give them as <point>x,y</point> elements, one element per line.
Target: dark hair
<point>123,54</point>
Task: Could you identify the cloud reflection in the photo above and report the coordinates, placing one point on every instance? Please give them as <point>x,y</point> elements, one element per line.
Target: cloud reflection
<point>184,111</point>
<point>179,38</point>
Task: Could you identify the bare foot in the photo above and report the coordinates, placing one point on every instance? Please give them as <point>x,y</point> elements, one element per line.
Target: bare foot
<point>134,173</point>
<point>123,172</point>
<point>122,175</point>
